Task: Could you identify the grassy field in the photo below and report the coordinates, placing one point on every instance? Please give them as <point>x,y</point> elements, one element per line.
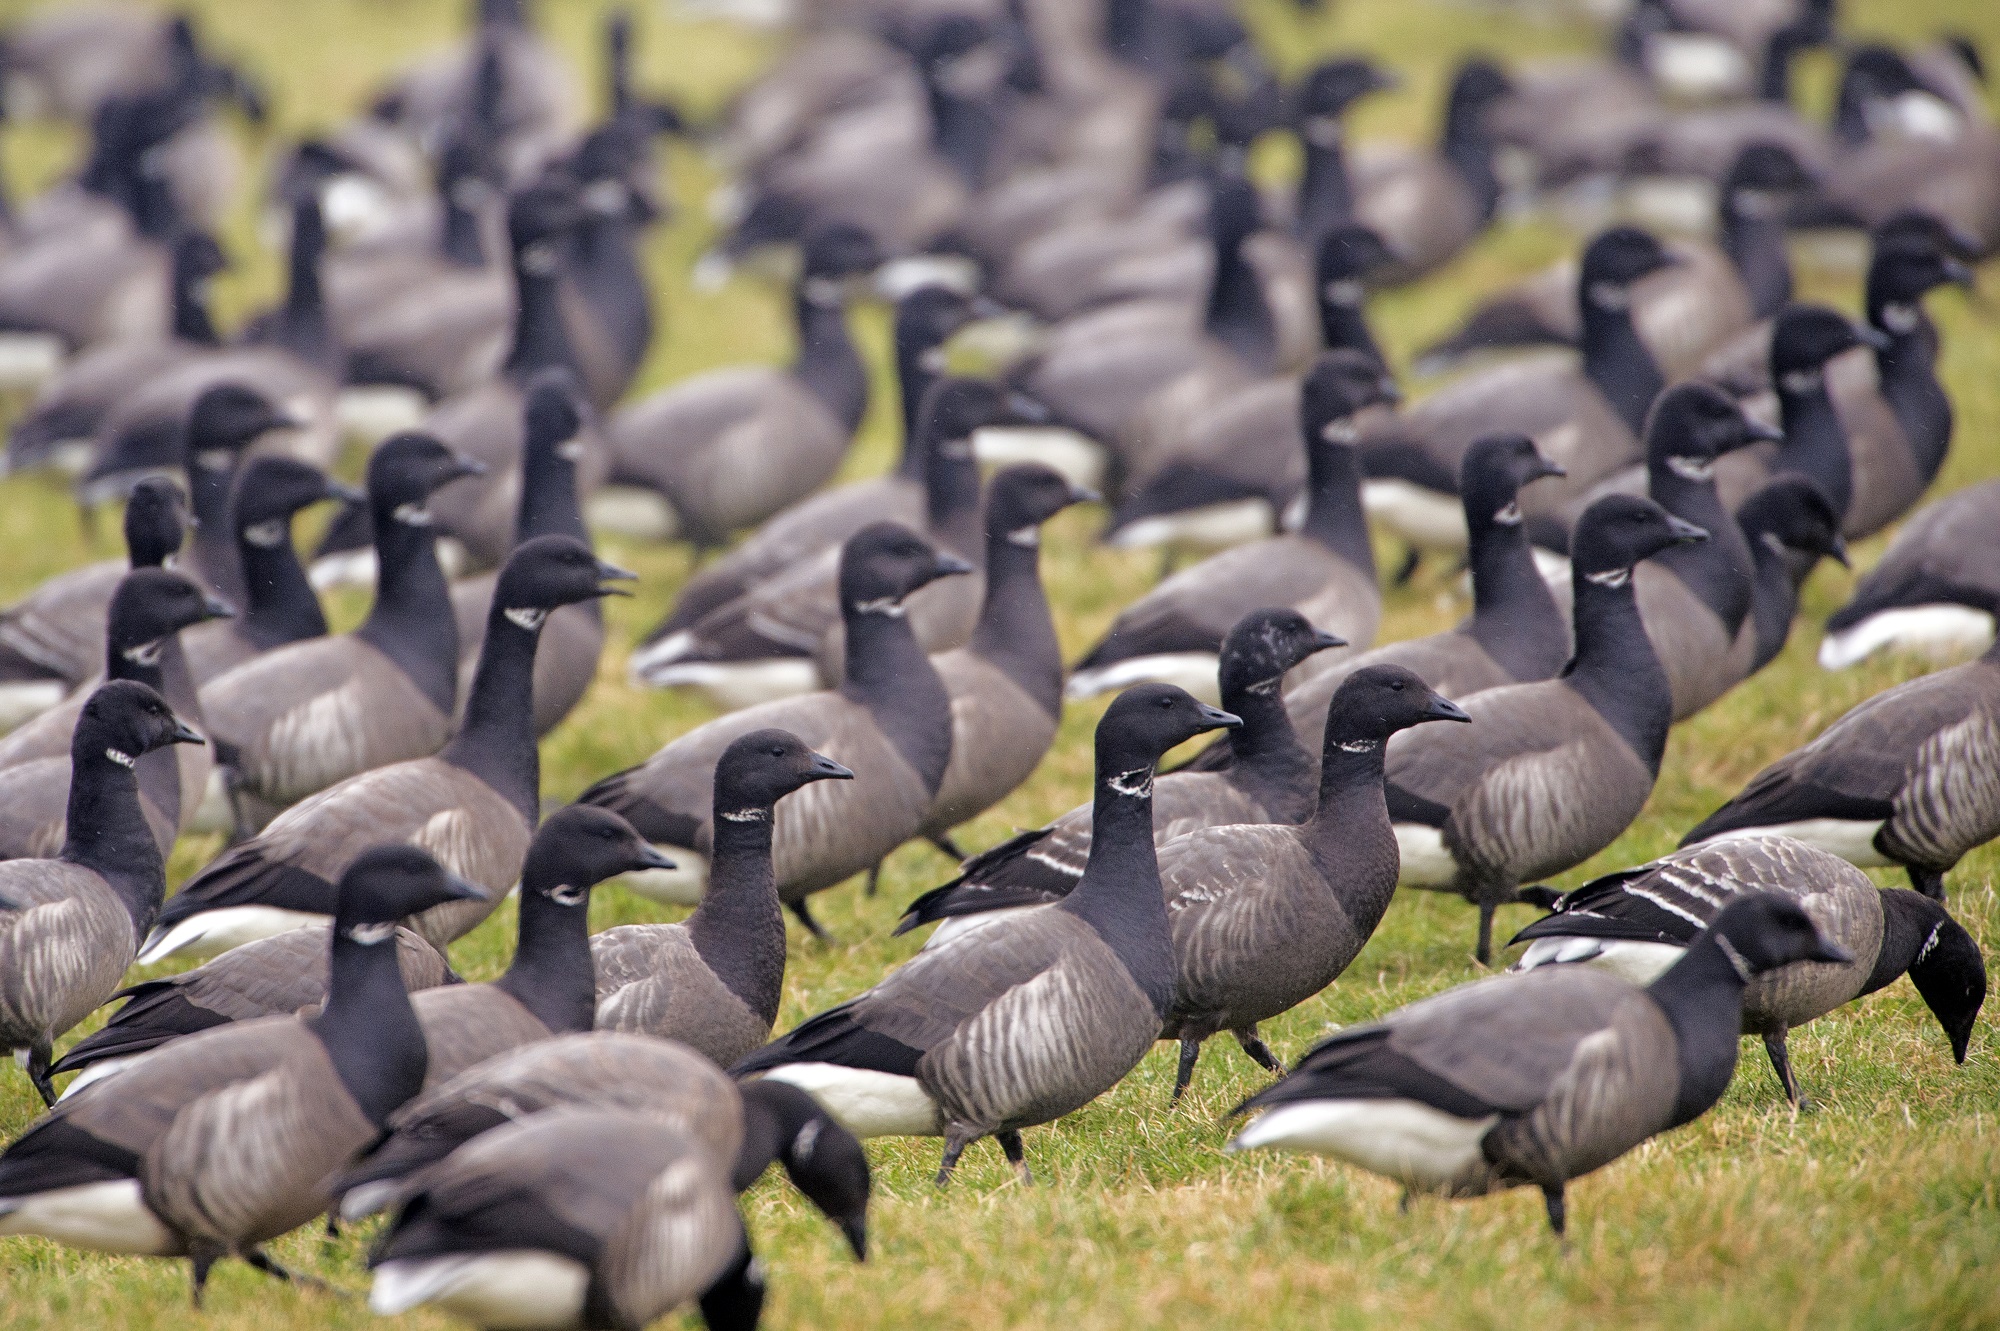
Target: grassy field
<point>1878,1209</point>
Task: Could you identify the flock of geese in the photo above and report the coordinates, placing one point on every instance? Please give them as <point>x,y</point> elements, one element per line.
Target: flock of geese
<point>1651,448</point>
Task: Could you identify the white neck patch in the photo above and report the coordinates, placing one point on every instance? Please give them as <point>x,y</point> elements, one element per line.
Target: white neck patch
<point>368,935</point>
<point>1341,431</point>
<point>122,758</point>
<point>1359,745</point>
<point>214,459</point>
<point>566,895</point>
<point>570,450</point>
<point>803,1144</point>
<point>527,617</point>
<point>1264,688</point>
<point>932,360</point>
<point>1610,577</point>
<point>1755,203</point>
<point>1774,543</point>
<point>823,292</point>
<point>266,535</point>
<point>538,258</point>
<point>1028,538</point>
<point>146,653</point>
<point>1610,296</point>
<point>1929,943</point>
<point>1901,320</point>
<point>608,197</point>
<point>1138,783</point>
<point>892,606</point>
<point>1322,131</point>
<point>958,450</point>
<point>1346,292</point>
<point>1802,381</point>
<point>1508,516</point>
<point>1692,469</point>
<point>412,515</point>
<point>746,816</point>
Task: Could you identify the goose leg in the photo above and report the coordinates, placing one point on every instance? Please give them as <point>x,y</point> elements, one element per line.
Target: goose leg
<point>1253,1045</point>
<point>798,909</point>
<point>1552,1196</point>
<point>1190,1051</point>
<point>202,1258</point>
<point>1781,1063</point>
<point>1484,951</point>
<point>1411,558</point>
<point>874,880</point>
<point>1017,1155</point>
<point>1927,881</point>
<point>261,1261</point>
<point>39,1057</point>
<point>957,1137</point>
<point>736,1300</point>
<point>946,845</point>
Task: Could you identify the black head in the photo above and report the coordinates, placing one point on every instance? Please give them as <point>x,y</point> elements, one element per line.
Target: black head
<point>196,257</point>
<point>385,884</point>
<point>407,469</point>
<point>551,571</point>
<point>773,218</point>
<point>579,847</point>
<point>231,416</point>
<point>1945,963</point>
<point>308,226</point>
<point>1615,260</point>
<point>122,720</point>
<point>1234,212</point>
<point>1478,84</point>
<point>1260,647</point>
<point>1376,701</point>
<point>929,315</point>
<point>1762,931</point>
<point>543,212</point>
<point>886,561</point>
<point>1145,721</point>
<point>270,489</point>
<point>1763,167</point>
<point>1921,228</point>
<point>840,250</point>
<point>151,604</point>
<point>1805,338</point>
<point>822,1159</point>
<point>1493,472</point>
<point>1348,255</point>
<point>1906,270</point>
<point>1022,497</point>
<point>761,768</point>
<point>611,152</point>
<point>1334,86</point>
<point>552,412</point>
<point>1967,48</point>
<point>1339,384</point>
<point>156,521</point>
<point>1693,424</point>
<point>1877,71</point>
<point>953,409</point>
<point>1791,516</point>
<point>1618,531</point>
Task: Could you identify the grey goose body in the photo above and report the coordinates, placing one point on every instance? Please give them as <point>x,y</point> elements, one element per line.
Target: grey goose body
<point>1936,589</point>
<point>1637,923</point>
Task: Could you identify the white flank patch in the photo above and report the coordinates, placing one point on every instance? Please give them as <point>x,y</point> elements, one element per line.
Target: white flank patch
<point>957,926</point>
<point>1423,518</point>
<point>1684,205</point>
<point>682,885</point>
<point>1630,959</point>
<point>98,1071</point>
<point>1070,455</point>
<point>214,813</point>
<point>1696,66</point>
<point>103,1217</point>
<point>1942,631</point>
<point>25,701</point>
<point>1850,838</point>
<point>632,511</point>
<point>866,1103</point>
<point>373,412</point>
<point>350,568</point>
<point>1405,1140</point>
<point>735,684</point>
<point>359,1203</point>
<point>521,1289</point>
<point>899,277</point>
<point>214,932</point>
<point>1426,862</point>
<point>27,360</point>
<point>1212,526</point>
<point>1553,567</point>
<point>1193,671</point>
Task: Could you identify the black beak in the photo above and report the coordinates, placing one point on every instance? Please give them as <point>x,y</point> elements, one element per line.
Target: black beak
<point>1442,708</point>
<point>1081,494</point>
<point>855,1229</point>
<point>463,466</point>
<point>826,769</point>
<point>1387,391</point>
<point>1215,718</point>
<point>1547,468</point>
<point>185,734</point>
<point>1832,953</point>
<point>458,889</point>
<point>1025,410</point>
<point>345,493</point>
<point>985,307</point>
<point>651,857</point>
<point>1323,641</point>
<point>283,420</point>
<point>613,573</point>
<point>1959,274</point>
<point>1872,336</point>
<point>948,565</point>
<point>1685,533</point>
<point>1838,551</point>
<point>1756,432</point>
<point>218,608</point>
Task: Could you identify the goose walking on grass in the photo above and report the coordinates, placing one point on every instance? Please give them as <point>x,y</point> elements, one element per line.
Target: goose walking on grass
<point>69,926</point>
<point>1535,1079</point>
<point>216,1145</point>
<point>1637,923</point>
<point>1031,1017</point>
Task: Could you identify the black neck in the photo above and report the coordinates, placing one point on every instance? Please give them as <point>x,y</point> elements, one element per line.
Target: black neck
<point>1119,894</point>
<point>1816,442</point>
<point>548,497</point>
<point>282,606</point>
<point>215,557</point>
<point>1774,79</point>
<point>1238,315</point>
<point>1515,618</point>
<point>827,363</point>
<point>1326,198</point>
<point>1334,516</point>
<point>1619,364</point>
<point>888,673</point>
<point>738,930</point>
<point>552,974</point>
<point>1344,326</point>
<point>1754,240</point>
<point>540,340</point>
<point>1350,831</point>
<point>964,131</point>
<point>1702,997</point>
<point>496,741</point>
<point>305,306</point>
<point>913,380</point>
<point>411,621</point>
<point>1616,669</point>
<point>191,321</point>
<point>952,498</point>
<point>1016,631</point>
<point>1268,761</point>
<point>1470,151</point>
<point>369,1029</point>
<point>1774,600</point>
<point>1906,371</point>
<point>1716,570</point>
<point>460,241</point>
<point>107,834</point>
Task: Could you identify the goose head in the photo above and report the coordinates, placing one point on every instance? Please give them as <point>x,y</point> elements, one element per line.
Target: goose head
<point>547,572</point>
<point>1146,720</point>
<point>823,1160</point>
<point>1340,384</point>
<point>1692,425</point>
<point>1376,701</point>
<point>1618,531</point>
<point>1260,647</point>
<point>1914,227</point>
<point>122,720</point>
<point>385,884</point>
<point>954,409</point>
<point>1763,176</point>
<point>194,258</point>
<point>1332,88</point>
<point>1477,86</point>
<point>1349,255</point>
<point>1495,469</point>
<point>836,257</point>
<point>761,768</point>
<point>1805,338</point>
<point>272,488</point>
<point>407,469</point>
<point>151,605</point>
<point>540,215</point>
<point>156,521</point>
<point>1762,931</point>
<point>579,847</point>
<point>1904,270</point>
<point>1021,498</point>
<point>552,414</point>
<point>1793,518</point>
<point>886,561</point>
<point>1614,261</point>
<point>1234,213</point>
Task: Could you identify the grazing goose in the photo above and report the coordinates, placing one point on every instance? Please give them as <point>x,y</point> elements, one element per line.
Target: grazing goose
<point>1586,413</point>
<point>1264,776</point>
<point>729,448</point>
<point>1551,772</point>
<point>1326,571</point>
<point>225,1140</point>
<point>1790,527</point>
<point>713,981</point>
<point>474,804</point>
<point>573,1218</point>
<point>1904,778</point>
<point>281,607</point>
<point>1935,590</point>
<point>52,639</point>
<point>69,926</point>
<point>890,722</point>
<point>295,720</point>
<point>150,609</point>
<point>1538,1078</point>
<point>1264,916</point>
<point>1638,923</point>
<point>1030,1017</point>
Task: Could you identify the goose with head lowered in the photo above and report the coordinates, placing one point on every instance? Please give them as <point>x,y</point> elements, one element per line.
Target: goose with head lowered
<point>1030,1017</point>
<point>1549,773</point>
<point>1326,570</point>
<point>1267,779</point>
<point>713,981</point>
<point>70,925</point>
<point>1637,923</point>
<point>151,608</point>
<point>474,804</point>
<point>729,448</point>
<point>294,721</point>
<point>1936,589</point>
<point>889,722</point>
<point>223,1141</point>
<point>1904,778</point>
<point>1535,1079</point>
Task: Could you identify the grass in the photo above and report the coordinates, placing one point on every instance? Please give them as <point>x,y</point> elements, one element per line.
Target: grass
<point>1879,1209</point>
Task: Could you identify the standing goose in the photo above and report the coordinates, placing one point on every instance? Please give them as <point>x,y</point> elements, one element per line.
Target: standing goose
<point>1326,571</point>
<point>1538,1078</point>
<point>151,608</point>
<point>1264,916</point>
<point>1903,778</point>
<point>729,448</point>
<point>1549,773</point>
<point>69,926</point>
<point>224,1141</point>
<point>1266,777</point>
<point>1022,1021</point>
<point>1790,527</point>
<point>713,981</point>
<point>300,324</point>
<point>1324,97</point>
<point>1586,413</point>
<point>890,722</point>
<point>294,721</point>
<point>1935,590</point>
<point>1637,923</point>
<point>574,1218</point>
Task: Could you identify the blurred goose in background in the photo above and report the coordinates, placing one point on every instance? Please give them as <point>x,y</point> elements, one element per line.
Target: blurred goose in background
<point>1790,527</point>
<point>64,63</point>
<point>1537,1078</point>
<point>1936,589</point>
<point>72,924</point>
<point>1320,103</point>
<point>1638,923</point>
<point>300,323</point>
